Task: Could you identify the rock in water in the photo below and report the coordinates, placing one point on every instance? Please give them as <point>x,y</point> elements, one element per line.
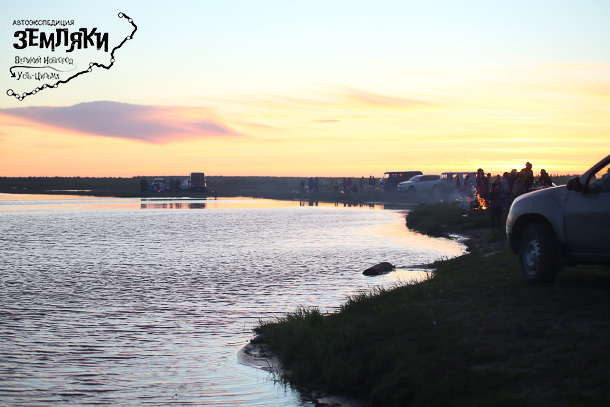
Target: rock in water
<point>378,269</point>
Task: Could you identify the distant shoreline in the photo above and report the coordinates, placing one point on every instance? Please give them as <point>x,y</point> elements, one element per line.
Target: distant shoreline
<point>280,188</point>
<point>284,188</point>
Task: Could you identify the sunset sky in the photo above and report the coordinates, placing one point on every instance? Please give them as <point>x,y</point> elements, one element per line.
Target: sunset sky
<point>315,88</point>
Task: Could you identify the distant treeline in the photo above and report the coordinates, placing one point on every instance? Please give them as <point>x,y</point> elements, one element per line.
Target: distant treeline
<point>216,184</point>
<point>16,184</point>
<point>132,184</point>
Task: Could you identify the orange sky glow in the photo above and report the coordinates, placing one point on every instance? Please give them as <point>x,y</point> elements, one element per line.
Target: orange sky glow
<point>363,111</point>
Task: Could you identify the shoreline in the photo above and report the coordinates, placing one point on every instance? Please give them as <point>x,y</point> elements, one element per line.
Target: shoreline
<point>280,188</point>
<point>261,357</point>
<point>476,330</point>
<point>257,353</point>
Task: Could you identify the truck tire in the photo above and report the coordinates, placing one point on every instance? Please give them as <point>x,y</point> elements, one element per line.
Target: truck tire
<point>538,254</point>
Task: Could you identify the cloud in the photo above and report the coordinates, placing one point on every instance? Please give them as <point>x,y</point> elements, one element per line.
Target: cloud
<point>344,99</point>
<point>152,124</point>
<point>373,99</point>
<point>326,121</point>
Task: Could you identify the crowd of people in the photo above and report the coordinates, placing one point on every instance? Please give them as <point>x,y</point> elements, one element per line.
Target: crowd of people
<point>344,185</point>
<point>499,193</point>
<point>495,194</point>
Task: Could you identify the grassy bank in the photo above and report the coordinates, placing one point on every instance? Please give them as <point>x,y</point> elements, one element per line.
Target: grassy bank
<point>473,335</point>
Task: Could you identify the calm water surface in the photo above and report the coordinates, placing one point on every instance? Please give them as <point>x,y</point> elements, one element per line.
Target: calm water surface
<point>132,302</point>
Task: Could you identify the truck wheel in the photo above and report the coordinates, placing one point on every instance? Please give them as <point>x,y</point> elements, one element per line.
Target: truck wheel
<point>538,254</point>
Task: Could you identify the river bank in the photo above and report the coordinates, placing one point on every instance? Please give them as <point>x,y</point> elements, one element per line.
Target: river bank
<point>140,291</point>
<point>474,334</point>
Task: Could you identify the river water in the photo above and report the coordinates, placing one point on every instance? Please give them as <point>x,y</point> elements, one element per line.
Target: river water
<point>130,302</point>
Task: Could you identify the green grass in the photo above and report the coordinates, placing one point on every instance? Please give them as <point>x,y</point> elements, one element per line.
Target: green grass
<point>443,218</point>
<point>473,335</point>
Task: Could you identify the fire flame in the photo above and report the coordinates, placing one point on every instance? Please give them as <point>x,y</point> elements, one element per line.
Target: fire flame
<point>482,203</point>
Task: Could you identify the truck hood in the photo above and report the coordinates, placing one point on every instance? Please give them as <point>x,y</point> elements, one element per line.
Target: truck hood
<point>557,194</point>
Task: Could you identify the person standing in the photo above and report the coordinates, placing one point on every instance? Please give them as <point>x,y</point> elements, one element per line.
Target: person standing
<point>519,187</point>
<point>495,206</point>
<point>545,179</point>
<point>503,184</point>
<point>529,175</point>
<point>482,184</point>
<point>512,177</point>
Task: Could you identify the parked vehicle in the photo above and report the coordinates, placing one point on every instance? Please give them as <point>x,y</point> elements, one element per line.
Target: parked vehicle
<point>392,178</point>
<point>448,179</point>
<point>566,225</point>
<point>419,183</point>
<point>198,181</point>
<point>159,185</point>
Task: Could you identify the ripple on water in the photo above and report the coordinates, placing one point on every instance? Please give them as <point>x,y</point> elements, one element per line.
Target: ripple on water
<point>105,303</point>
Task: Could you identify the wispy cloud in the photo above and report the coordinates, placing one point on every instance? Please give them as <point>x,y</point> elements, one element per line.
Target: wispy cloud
<point>152,124</point>
<point>326,121</point>
<point>339,98</point>
<point>375,99</point>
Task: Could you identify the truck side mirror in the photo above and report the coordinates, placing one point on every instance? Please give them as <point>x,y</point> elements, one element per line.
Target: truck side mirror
<point>574,184</point>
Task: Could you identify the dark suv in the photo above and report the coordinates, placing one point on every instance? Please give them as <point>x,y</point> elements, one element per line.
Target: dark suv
<point>392,178</point>
<point>565,225</point>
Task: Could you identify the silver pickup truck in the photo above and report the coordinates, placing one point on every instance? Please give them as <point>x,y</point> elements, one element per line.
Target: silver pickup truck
<point>562,226</point>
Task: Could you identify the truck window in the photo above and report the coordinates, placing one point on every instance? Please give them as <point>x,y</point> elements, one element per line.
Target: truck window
<point>600,181</point>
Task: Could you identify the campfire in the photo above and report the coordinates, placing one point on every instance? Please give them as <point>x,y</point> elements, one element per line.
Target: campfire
<point>479,204</point>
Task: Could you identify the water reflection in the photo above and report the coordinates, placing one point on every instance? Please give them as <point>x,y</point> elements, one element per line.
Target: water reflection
<point>243,203</point>
<point>72,202</point>
<point>105,303</point>
<point>409,276</point>
<point>342,204</point>
<point>174,205</point>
